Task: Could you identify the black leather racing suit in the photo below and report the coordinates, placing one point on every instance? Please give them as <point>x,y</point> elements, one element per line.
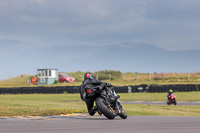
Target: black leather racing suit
<point>89,101</point>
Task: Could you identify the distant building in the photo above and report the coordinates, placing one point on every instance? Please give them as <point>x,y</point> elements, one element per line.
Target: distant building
<point>47,76</point>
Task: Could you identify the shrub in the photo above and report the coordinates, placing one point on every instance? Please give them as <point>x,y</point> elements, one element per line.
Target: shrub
<point>104,74</point>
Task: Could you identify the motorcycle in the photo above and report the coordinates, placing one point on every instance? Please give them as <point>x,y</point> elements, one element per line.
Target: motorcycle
<point>172,99</point>
<point>107,102</point>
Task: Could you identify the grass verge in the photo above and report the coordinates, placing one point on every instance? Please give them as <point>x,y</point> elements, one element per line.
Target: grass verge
<point>56,104</point>
<point>162,110</point>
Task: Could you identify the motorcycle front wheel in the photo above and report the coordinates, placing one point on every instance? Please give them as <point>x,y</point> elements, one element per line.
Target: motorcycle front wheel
<point>174,101</point>
<point>123,114</point>
<point>105,108</point>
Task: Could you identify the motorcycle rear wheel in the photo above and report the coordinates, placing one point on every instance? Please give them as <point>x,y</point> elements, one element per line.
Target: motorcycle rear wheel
<point>167,102</point>
<point>105,109</point>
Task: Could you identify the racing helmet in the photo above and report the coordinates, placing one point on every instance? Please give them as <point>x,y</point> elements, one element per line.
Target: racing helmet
<point>171,90</point>
<point>88,75</point>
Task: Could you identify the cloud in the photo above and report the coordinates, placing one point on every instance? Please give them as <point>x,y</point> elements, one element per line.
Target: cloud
<point>40,2</point>
<point>94,22</point>
<point>179,10</point>
<point>46,26</point>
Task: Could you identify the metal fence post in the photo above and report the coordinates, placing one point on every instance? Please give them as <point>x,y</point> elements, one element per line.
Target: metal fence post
<point>188,76</point>
<point>149,76</point>
<point>110,78</point>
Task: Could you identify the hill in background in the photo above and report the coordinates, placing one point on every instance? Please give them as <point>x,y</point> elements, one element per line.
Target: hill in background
<point>17,58</point>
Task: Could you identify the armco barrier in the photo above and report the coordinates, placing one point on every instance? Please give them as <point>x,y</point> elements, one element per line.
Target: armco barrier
<point>118,89</point>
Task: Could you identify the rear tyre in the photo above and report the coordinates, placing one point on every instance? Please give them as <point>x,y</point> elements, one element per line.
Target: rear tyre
<point>123,114</point>
<point>105,109</point>
<point>167,102</point>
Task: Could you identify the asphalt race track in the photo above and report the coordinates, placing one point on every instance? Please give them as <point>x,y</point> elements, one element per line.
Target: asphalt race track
<point>84,123</point>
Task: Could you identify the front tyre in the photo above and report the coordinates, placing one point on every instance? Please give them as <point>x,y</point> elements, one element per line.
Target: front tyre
<point>123,114</point>
<point>174,101</point>
<point>105,109</point>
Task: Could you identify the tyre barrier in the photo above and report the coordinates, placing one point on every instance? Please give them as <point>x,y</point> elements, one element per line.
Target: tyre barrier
<point>118,89</point>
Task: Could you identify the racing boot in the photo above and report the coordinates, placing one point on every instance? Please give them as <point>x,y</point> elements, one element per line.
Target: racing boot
<point>93,111</point>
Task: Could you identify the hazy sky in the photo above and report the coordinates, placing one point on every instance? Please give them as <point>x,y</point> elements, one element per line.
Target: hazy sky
<point>168,24</point>
<point>28,25</point>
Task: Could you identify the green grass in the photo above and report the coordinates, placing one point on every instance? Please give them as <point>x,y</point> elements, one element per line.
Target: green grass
<point>39,104</point>
<point>162,110</point>
<point>180,96</point>
<point>56,104</point>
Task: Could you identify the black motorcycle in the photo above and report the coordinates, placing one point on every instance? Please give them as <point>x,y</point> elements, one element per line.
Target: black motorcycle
<point>106,100</point>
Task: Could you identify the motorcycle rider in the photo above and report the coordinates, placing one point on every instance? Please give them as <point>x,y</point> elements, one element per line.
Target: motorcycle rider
<point>89,79</point>
<point>169,93</point>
